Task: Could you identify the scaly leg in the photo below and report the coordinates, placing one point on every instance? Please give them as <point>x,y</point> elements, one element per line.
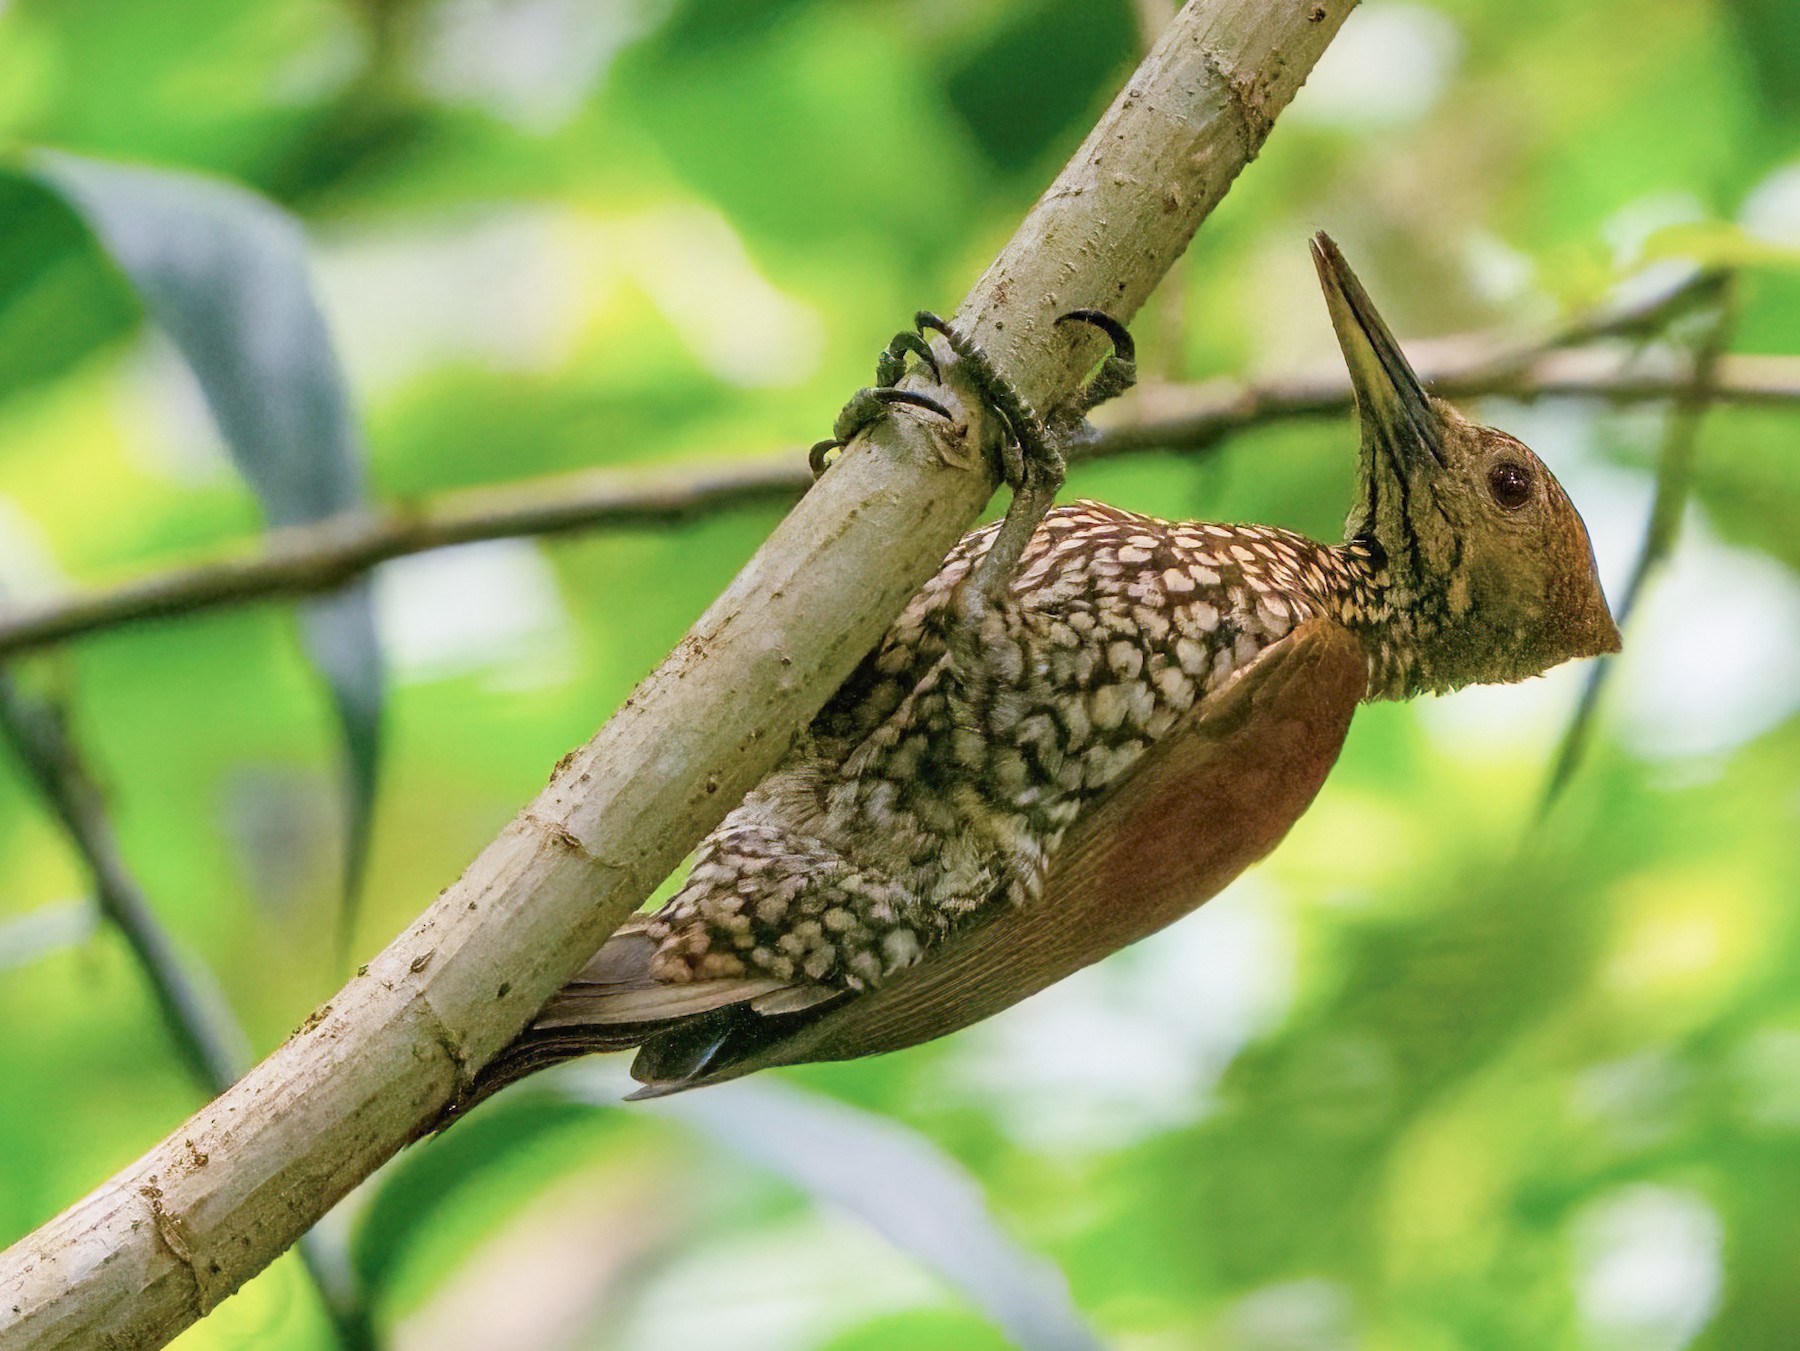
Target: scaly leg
<point>1033,464</point>
<point>1031,454</point>
<point>990,636</point>
<point>982,623</point>
<point>870,404</point>
<point>867,406</point>
<point>1030,463</point>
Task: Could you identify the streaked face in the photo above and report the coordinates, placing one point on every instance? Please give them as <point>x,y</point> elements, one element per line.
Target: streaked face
<point>1486,554</point>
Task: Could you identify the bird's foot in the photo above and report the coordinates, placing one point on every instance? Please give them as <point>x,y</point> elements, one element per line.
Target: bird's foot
<point>871,404</point>
<point>865,407</point>
<point>890,366</point>
<point>1032,461</point>
<point>1030,456</point>
<point>1116,374</point>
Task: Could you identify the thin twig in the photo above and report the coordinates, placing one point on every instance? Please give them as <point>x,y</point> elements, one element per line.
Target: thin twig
<point>1188,419</point>
<point>1648,314</point>
<point>1674,485</point>
<point>202,1031</point>
<point>306,560</point>
<point>194,1014</point>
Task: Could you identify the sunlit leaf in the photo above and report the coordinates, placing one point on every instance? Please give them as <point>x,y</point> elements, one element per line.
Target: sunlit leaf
<point>1719,244</point>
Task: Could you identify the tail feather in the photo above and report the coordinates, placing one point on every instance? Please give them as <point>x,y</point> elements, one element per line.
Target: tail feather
<point>616,989</point>
<point>574,1006</point>
<point>614,1004</point>
<point>623,960</point>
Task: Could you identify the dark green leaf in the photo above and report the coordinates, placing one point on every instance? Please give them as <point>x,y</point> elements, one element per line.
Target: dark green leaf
<point>224,273</point>
<point>1038,79</point>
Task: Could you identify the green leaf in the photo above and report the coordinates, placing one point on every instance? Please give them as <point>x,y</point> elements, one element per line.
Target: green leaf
<point>58,299</point>
<point>1718,244</point>
<point>448,1195</point>
<point>1035,83</point>
<point>224,273</point>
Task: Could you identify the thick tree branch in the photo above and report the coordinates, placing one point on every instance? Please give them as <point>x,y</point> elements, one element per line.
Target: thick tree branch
<point>157,1246</point>
<point>308,560</point>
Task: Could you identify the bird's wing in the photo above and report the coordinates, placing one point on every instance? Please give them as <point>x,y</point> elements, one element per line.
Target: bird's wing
<point>614,1004</point>
<point>1212,797</point>
<point>1209,799</point>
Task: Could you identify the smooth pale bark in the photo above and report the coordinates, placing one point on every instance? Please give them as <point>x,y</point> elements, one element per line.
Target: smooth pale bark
<point>157,1246</point>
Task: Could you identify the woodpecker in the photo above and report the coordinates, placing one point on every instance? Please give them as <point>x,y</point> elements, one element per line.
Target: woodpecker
<point>1085,725</point>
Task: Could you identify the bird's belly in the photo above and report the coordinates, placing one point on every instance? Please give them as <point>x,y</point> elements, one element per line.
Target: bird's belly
<point>1209,800</point>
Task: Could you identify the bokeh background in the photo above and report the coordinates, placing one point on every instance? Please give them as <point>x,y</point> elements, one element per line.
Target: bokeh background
<point>1440,1074</point>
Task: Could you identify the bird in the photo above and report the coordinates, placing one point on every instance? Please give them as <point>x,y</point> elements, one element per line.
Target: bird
<point>1080,729</point>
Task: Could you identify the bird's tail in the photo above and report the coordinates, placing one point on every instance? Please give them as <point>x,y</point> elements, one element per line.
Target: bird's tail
<point>615,1004</point>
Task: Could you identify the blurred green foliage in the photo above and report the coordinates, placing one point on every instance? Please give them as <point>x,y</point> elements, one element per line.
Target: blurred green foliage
<point>1434,1076</point>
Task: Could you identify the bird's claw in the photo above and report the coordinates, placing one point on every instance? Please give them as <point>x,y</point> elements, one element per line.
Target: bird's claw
<point>1031,456</point>
<point>867,406</point>
<point>1030,459</point>
<point>1117,373</point>
<point>871,404</point>
<point>1028,455</point>
<point>890,366</point>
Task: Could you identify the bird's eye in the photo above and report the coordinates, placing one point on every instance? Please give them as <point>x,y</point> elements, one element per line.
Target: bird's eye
<point>1510,483</point>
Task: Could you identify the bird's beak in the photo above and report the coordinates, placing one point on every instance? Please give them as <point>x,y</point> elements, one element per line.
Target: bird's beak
<point>1399,424</point>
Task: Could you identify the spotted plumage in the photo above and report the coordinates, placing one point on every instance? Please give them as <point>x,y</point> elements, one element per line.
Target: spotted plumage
<point>1080,729</point>
<point>940,779</point>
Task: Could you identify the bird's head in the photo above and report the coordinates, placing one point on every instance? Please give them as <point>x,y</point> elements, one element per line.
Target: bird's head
<point>1488,569</point>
